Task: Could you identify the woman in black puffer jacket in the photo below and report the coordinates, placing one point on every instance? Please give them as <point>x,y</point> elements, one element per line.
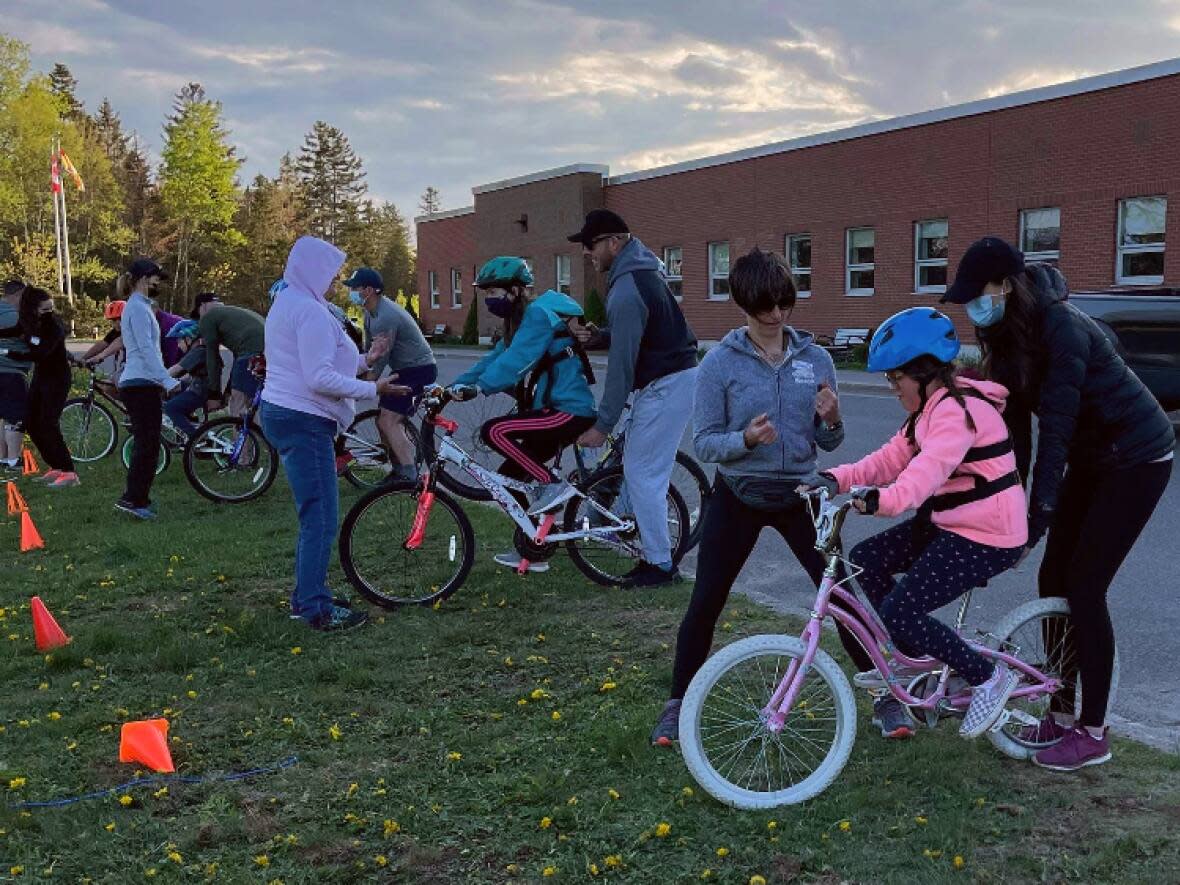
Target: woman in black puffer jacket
<point>1104,458</point>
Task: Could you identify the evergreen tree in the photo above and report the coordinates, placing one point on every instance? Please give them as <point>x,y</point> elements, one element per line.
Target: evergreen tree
<point>595,309</point>
<point>108,128</point>
<point>198,189</point>
<point>271,217</point>
<point>333,182</point>
<point>64,85</point>
<point>431,201</point>
<point>471,324</point>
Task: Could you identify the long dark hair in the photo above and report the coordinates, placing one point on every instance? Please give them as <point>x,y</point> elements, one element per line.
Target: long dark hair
<point>1009,348</point>
<point>30,300</point>
<point>925,369</point>
<point>520,301</point>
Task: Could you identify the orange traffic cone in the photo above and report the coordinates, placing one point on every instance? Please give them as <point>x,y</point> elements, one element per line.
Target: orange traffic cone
<point>31,466</point>
<point>146,741</point>
<point>46,631</point>
<point>16,503</point>
<point>30,538</point>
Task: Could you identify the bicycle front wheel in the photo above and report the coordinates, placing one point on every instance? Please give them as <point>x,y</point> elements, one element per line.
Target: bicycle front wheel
<point>606,557</point>
<point>228,464</point>
<point>162,461</point>
<point>389,563</point>
<point>88,429</point>
<point>723,734</point>
<point>1041,634</point>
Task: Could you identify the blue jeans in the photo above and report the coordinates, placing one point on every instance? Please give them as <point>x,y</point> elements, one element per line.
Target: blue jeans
<point>180,408</point>
<point>305,442</point>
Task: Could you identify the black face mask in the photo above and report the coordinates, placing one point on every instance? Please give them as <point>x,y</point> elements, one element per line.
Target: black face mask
<point>499,306</point>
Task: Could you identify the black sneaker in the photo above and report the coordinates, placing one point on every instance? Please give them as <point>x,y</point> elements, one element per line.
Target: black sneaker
<point>647,575</point>
<point>338,618</point>
<point>892,718</point>
<point>667,730</point>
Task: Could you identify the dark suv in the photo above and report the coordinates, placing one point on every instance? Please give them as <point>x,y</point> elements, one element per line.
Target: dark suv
<point>1144,324</point>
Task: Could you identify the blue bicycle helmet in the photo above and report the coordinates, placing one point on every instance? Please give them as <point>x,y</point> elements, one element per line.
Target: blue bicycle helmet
<point>504,272</point>
<point>184,329</point>
<point>909,334</point>
<point>278,286</point>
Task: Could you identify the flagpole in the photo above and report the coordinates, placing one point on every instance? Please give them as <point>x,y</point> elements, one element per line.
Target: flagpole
<point>65,236</point>
<point>61,287</point>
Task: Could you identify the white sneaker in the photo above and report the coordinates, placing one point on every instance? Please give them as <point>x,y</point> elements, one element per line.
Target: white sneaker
<point>987,702</point>
<point>551,496</point>
<point>512,561</point>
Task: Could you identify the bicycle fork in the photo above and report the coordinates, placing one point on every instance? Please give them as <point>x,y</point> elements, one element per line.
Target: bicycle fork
<point>421,516</point>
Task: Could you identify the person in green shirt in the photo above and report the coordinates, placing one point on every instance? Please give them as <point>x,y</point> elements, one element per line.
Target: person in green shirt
<point>240,331</point>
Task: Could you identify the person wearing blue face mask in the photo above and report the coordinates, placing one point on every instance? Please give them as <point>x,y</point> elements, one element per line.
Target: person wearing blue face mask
<point>1104,458</point>
<point>410,359</point>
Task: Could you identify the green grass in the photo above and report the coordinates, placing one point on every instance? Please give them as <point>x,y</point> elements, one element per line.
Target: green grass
<point>420,759</point>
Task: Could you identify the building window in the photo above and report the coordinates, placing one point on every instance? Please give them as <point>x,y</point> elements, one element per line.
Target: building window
<point>931,241</point>
<point>860,266</point>
<point>456,288</point>
<point>718,271</point>
<point>799,258</point>
<point>674,270</point>
<point>1040,234</point>
<point>563,274</point>
<point>1141,240</point>
<point>432,282</point>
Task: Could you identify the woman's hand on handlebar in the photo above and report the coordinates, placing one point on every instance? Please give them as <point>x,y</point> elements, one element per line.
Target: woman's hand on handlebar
<point>866,499</point>
<point>462,392</point>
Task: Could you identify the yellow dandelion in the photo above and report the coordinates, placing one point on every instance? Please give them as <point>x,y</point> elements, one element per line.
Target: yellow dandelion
<point>335,732</point>
<point>772,825</point>
<point>613,861</point>
<point>261,860</point>
<point>706,873</point>
<point>392,828</point>
<point>453,756</point>
<point>980,802</point>
<point>161,793</point>
<point>538,694</point>
<point>110,828</point>
<point>613,793</point>
<point>381,860</point>
<point>44,686</point>
<point>921,820</point>
<point>54,716</point>
<point>192,695</point>
<point>594,869</point>
<point>297,650</point>
<point>549,871</point>
<point>16,783</point>
<point>555,716</point>
<point>845,826</point>
<point>175,857</point>
<point>687,792</point>
<point>757,880</point>
<point>150,872</point>
<point>663,830</point>
<point>723,851</point>
<point>512,869</point>
<point>608,686</point>
<point>572,800</point>
<point>125,800</point>
<point>958,862</point>
<point>546,823</point>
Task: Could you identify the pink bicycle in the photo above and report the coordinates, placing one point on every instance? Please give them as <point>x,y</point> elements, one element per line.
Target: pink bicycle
<point>770,720</point>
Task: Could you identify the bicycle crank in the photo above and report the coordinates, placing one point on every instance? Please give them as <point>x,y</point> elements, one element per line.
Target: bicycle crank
<point>530,549</point>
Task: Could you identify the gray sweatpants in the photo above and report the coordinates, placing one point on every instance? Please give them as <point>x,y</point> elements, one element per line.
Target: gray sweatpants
<point>659,415</point>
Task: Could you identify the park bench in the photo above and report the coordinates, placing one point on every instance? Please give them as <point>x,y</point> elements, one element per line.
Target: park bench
<point>843,343</point>
<point>439,331</point>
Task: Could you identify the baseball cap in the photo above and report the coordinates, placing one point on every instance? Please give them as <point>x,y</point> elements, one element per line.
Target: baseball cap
<point>144,267</point>
<point>203,298</point>
<point>599,222</point>
<point>986,261</point>
<point>365,276</point>
<point>13,287</point>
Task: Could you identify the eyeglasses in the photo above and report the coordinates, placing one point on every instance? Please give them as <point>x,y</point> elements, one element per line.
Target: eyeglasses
<point>894,377</point>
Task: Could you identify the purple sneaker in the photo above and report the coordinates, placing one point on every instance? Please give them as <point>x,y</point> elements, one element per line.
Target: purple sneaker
<point>1047,731</point>
<point>1076,750</point>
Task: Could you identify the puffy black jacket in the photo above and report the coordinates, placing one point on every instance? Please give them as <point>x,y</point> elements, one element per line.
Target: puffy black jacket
<point>1093,412</point>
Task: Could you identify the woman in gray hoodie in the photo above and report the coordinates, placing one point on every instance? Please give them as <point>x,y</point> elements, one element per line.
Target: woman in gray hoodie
<point>765,398</point>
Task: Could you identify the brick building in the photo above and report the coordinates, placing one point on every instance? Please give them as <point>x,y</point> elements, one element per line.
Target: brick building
<point>1086,174</point>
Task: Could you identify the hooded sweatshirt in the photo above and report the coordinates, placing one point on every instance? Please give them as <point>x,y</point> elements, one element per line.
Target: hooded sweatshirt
<point>646,330</point>
<point>735,385</point>
<point>311,364</point>
<point>909,476</point>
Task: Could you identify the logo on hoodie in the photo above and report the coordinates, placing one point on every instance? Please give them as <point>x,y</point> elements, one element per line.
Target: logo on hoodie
<point>804,372</point>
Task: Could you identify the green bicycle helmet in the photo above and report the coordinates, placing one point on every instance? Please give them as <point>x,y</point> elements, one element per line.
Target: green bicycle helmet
<point>504,272</point>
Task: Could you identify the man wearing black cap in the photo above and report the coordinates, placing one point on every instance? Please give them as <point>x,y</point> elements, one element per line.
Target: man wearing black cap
<point>653,354</point>
<point>243,333</point>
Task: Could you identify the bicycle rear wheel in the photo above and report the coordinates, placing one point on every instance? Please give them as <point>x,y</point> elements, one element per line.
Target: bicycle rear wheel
<point>88,429</point>
<point>227,465</point>
<point>371,464</point>
<point>607,558</point>
<point>378,561</point>
<point>471,415</point>
<point>692,482</point>
<point>1041,634</point>
<point>162,461</point>
<point>724,739</point>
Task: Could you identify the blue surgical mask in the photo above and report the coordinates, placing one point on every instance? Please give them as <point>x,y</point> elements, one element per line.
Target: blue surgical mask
<point>356,297</point>
<point>986,310</point>
<point>499,306</point>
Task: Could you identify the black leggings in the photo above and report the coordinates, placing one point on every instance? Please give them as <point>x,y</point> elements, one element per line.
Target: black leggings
<point>937,567</point>
<point>145,407</point>
<point>1099,516</point>
<point>728,534</point>
<point>43,423</point>
<point>529,440</point>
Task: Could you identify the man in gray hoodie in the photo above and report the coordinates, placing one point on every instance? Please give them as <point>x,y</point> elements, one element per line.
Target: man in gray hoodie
<point>653,354</point>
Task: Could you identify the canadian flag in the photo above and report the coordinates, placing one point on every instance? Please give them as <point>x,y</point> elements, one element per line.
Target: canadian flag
<point>54,175</point>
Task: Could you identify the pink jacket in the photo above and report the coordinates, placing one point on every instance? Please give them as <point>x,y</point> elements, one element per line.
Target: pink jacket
<point>907,477</point>
<point>311,365</point>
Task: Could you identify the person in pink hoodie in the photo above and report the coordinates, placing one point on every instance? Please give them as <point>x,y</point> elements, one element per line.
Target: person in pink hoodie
<point>309,397</point>
<point>952,462</point>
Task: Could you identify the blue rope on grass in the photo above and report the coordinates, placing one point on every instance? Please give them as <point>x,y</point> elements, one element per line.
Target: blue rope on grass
<point>161,779</point>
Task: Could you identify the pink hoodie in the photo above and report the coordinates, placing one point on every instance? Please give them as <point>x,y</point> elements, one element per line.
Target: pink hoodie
<point>908,477</point>
<point>311,365</point>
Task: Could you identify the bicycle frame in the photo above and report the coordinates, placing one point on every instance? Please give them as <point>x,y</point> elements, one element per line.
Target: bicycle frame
<point>835,600</point>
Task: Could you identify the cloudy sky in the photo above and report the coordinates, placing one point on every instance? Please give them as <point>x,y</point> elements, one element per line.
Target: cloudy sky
<point>456,93</point>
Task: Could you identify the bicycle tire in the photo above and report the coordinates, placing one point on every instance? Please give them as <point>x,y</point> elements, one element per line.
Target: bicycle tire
<point>75,430</point>
<point>1007,739</point>
<point>453,478</point>
<point>610,480</point>
<point>262,477</point>
<point>843,704</point>
<point>373,472</point>
<point>162,461</point>
<point>391,508</point>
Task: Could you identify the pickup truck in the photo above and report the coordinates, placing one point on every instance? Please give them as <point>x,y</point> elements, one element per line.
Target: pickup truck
<point>1144,325</point>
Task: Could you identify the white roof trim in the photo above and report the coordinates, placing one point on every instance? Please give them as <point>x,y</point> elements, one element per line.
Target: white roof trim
<point>448,213</point>
<point>574,169</point>
<point>1168,68</point>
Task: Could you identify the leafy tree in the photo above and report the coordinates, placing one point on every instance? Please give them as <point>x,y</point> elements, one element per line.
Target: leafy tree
<point>471,324</point>
<point>430,202</point>
<point>332,176</point>
<point>198,187</point>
